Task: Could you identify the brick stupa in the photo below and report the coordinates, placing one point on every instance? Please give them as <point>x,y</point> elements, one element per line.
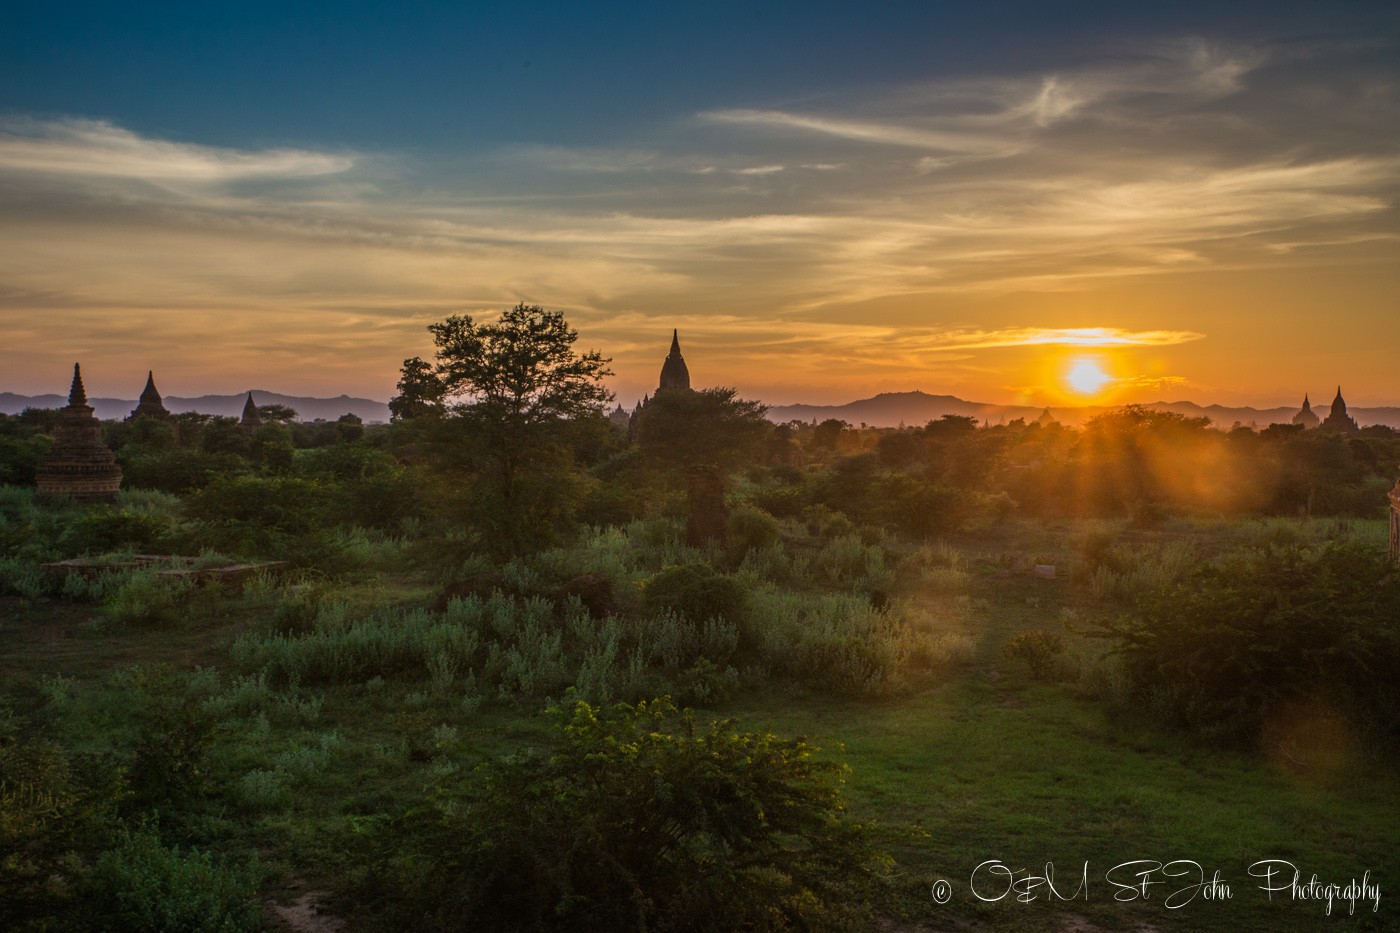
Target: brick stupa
<point>79,464</point>
<point>151,404</point>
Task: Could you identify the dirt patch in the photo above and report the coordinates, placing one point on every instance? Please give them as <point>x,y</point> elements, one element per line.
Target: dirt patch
<point>304,915</point>
<point>1074,923</point>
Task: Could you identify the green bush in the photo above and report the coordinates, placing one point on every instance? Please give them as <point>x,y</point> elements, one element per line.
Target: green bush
<point>1238,642</point>
<point>55,811</point>
<point>251,515</point>
<point>100,529</point>
<point>696,592</point>
<point>144,886</point>
<point>642,818</point>
<point>22,578</point>
<point>1037,648</point>
<point>751,528</point>
<point>146,599</point>
<point>167,725</point>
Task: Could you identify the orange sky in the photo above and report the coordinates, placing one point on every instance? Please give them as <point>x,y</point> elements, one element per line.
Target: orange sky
<point>1204,220</point>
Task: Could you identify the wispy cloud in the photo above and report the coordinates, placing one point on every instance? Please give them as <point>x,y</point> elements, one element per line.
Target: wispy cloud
<point>937,202</point>
<point>99,149</point>
<point>880,133</point>
<point>1063,337</point>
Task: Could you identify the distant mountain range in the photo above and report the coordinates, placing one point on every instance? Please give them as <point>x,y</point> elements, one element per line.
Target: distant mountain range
<point>890,409</point>
<point>307,409</point>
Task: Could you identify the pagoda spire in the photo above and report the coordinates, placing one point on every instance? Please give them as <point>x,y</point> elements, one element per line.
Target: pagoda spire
<point>79,465</point>
<point>77,395</point>
<point>674,373</point>
<point>251,418</point>
<point>150,404</point>
<point>1338,420</point>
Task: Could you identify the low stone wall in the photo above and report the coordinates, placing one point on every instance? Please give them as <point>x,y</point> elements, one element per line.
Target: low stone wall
<point>164,565</point>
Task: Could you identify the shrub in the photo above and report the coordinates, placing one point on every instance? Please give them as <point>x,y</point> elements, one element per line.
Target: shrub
<point>54,812</point>
<point>259,514</point>
<point>102,528</point>
<point>1243,639</point>
<point>696,592</point>
<point>146,599</point>
<point>849,563</point>
<point>641,819</point>
<point>172,726</point>
<point>750,528</point>
<point>21,578</point>
<point>1038,648</point>
<point>144,886</point>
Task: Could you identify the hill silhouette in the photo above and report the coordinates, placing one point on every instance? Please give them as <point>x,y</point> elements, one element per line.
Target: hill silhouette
<point>890,409</point>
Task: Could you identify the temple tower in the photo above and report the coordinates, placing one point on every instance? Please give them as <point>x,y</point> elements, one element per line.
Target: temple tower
<point>79,464</point>
<point>1338,420</point>
<point>1305,415</point>
<point>674,374</point>
<point>150,405</point>
<point>251,419</point>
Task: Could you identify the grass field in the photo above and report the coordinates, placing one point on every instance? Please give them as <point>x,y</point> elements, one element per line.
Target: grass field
<point>987,763</point>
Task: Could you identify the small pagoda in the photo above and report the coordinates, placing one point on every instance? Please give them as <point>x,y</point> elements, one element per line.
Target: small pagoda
<point>1306,416</point>
<point>251,419</point>
<point>79,465</point>
<point>151,405</point>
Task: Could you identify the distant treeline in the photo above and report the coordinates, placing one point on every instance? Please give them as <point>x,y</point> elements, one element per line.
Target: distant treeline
<point>1132,462</point>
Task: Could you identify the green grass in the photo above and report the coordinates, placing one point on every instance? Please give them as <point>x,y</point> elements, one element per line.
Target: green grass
<point>1028,775</point>
<point>993,765</point>
<point>987,764</point>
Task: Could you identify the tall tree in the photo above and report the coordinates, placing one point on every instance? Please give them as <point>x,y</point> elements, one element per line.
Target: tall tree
<point>706,434</point>
<point>420,391</point>
<point>512,380</point>
<point>709,427</point>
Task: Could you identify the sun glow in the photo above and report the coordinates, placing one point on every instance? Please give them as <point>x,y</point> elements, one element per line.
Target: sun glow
<point>1087,377</point>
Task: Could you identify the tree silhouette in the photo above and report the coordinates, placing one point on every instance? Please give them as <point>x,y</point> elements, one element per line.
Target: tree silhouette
<point>706,433</point>
<point>511,381</point>
<point>420,391</point>
<point>710,427</point>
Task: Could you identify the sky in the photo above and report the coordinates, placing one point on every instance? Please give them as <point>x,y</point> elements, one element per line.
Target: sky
<point>1024,203</point>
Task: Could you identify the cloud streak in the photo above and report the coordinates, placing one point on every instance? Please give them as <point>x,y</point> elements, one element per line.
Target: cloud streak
<point>1064,337</point>
<point>933,214</point>
<point>99,149</point>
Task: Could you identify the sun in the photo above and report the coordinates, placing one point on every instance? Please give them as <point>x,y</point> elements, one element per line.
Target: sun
<point>1087,377</point>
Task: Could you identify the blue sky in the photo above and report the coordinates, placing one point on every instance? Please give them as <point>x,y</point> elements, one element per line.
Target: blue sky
<point>459,76</point>
<point>827,200</point>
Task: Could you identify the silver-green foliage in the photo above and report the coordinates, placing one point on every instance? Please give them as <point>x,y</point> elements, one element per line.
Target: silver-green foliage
<point>145,598</point>
<point>143,885</point>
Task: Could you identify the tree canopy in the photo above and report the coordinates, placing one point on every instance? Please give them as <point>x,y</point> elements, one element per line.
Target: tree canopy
<point>521,369</point>
<point>710,427</point>
<point>510,380</point>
